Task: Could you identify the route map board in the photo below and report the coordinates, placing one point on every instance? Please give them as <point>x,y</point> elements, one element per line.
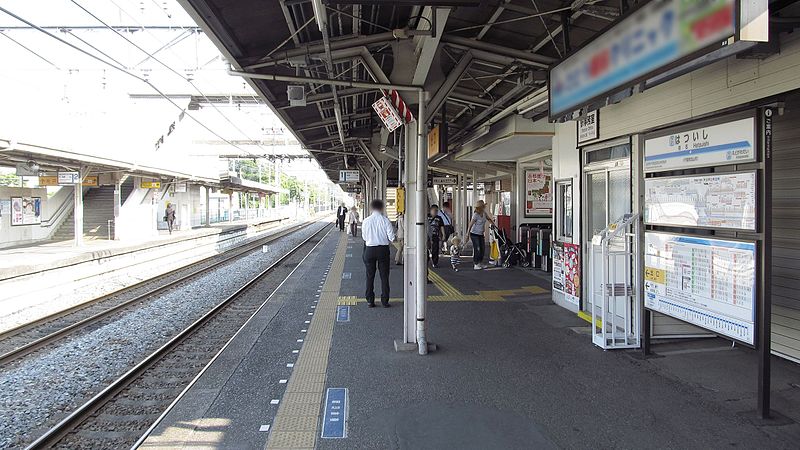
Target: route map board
<point>713,201</point>
<point>710,283</point>
<point>725,143</point>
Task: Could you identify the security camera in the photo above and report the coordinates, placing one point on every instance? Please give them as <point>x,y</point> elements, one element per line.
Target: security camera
<point>32,165</point>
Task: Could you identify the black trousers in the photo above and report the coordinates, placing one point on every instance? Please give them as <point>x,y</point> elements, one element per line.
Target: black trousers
<point>435,245</point>
<point>341,223</point>
<point>354,229</point>
<point>448,231</point>
<point>377,255</point>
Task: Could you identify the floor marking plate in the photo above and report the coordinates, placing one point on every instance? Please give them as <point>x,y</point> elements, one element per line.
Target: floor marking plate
<point>263,428</point>
<point>347,275</point>
<point>343,313</point>
<point>334,423</point>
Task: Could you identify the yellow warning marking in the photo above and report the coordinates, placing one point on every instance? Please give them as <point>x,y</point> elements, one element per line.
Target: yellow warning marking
<point>588,317</point>
<point>295,425</point>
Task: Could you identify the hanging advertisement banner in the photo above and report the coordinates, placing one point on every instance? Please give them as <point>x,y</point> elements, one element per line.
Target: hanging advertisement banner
<point>714,145</point>
<point>388,115</point>
<point>710,283</point>
<point>654,37</point>
<point>538,193</point>
<point>26,210</point>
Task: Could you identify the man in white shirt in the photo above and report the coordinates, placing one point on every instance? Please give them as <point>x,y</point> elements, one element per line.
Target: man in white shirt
<point>378,233</point>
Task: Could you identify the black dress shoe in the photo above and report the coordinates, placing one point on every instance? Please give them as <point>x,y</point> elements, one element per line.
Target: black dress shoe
<point>370,305</point>
<point>386,305</point>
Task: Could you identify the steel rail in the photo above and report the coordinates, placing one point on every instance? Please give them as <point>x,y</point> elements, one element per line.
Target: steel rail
<point>79,415</point>
<point>48,339</point>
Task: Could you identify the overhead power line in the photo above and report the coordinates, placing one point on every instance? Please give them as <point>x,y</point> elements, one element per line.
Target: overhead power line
<point>123,70</point>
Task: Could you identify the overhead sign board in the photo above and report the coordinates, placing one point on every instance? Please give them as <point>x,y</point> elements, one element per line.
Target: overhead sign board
<point>702,201</point>
<point>710,283</point>
<point>69,177</point>
<point>589,127</point>
<point>714,145</point>
<point>349,176</point>
<point>445,181</point>
<point>150,184</point>
<point>388,115</point>
<point>652,38</point>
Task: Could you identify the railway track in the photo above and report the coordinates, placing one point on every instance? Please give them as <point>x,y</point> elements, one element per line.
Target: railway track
<point>28,338</point>
<point>119,414</point>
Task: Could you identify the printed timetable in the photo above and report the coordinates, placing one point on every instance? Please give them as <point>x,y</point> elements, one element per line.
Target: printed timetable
<point>715,201</point>
<point>710,283</point>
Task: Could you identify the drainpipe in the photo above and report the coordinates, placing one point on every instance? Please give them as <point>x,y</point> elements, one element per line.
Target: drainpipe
<point>422,183</point>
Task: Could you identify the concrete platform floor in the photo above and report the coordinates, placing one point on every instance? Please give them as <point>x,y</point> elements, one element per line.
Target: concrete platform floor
<point>513,370</point>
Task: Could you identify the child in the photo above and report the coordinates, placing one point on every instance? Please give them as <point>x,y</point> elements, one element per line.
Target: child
<point>455,251</point>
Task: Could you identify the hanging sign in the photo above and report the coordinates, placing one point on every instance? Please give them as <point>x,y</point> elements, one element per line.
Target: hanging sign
<point>349,176</point>
<point>725,143</point>
<point>48,180</point>
<point>388,115</point>
<point>180,187</point>
<point>90,181</point>
<point>69,177</point>
<point>538,193</point>
<point>589,127</point>
<point>445,181</point>
<point>26,210</point>
<point>150,184</point>
<point>710,283</point>
<point>652,38</point>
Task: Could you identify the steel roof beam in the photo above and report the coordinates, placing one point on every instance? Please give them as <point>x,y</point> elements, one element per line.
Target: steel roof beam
<point>522,56</point>
<point>448,85</point>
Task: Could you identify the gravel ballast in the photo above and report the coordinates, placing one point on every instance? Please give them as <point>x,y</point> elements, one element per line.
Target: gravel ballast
<point>38,390</point>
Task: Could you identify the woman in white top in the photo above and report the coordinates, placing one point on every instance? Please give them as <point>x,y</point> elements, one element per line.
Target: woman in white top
<point>352,219</point>
<point>477,229</point>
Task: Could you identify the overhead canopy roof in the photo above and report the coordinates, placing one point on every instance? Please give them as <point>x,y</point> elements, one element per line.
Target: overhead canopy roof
<point>496,55</point>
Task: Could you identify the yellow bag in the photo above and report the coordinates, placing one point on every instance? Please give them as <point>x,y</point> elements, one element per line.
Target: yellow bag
<point>494,251</point>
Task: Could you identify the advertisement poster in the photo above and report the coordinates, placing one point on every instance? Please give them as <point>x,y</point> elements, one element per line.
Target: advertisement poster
<point>538,193</point>
<point>725,143</point>
<point>26,210</point>
<point>558,267</point>
<point>710,201</point>
<point>710,283</point>
<point>572,273</point>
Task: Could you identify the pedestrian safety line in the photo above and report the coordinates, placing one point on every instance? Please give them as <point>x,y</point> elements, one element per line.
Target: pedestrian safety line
<point>450,293</point>
<point>297,420</point>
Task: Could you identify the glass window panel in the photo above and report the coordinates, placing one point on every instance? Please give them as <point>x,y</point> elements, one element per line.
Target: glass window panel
<point>597,207</point>
<point>619,193</point>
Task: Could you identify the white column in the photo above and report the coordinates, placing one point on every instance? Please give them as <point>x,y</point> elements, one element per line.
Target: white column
<point>419,226</point>
<point>77,212</point>
<point>208,205</point>
<point>409,266</point>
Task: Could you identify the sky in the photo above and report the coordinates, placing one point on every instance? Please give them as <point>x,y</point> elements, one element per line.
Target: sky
<point>56,96</point>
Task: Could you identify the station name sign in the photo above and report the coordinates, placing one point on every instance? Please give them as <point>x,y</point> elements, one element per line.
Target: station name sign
<point>349,176</point>
<point>654,37</point>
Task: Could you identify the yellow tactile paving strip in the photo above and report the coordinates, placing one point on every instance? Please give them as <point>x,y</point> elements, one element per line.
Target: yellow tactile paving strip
<point>295,425</point>
<point>450,294</point>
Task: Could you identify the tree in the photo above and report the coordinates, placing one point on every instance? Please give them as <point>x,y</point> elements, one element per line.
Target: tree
<point>10,179</point>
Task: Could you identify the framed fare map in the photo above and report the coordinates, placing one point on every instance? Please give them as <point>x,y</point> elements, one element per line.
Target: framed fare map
<point>702,201</point>
<point>706,282</point>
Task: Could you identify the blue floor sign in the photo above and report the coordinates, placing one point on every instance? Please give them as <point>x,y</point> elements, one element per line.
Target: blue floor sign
<point>343,313</point>
<point>334,424</point>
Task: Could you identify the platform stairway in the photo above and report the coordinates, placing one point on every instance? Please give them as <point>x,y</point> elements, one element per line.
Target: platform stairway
<point>98,210</point>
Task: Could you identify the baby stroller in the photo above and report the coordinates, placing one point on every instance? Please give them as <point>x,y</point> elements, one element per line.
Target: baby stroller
<point>510,253</point>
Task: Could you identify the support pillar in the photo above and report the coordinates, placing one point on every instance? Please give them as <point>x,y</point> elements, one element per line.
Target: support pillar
<point>208,205</point>
<point>117,204</point>
<point>230,207</point>
<point>77,212</point>
<point>464,218</point>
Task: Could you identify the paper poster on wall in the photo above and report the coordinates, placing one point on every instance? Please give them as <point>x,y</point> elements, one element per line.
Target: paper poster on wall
<point>26,210</point>
<point>714,145</point>
<point>558,267</point>
<point>572,273</point>
<point>710,283</point>
<point>715,201</point>
<point>538,193</point>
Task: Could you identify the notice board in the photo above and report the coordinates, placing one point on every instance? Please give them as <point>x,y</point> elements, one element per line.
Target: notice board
<point>710,283</point>
<point>707,201</point>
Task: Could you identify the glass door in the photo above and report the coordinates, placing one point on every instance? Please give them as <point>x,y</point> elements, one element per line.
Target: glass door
<point>607,197</point>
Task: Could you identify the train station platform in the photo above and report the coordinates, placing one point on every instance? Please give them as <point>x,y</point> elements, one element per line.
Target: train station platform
<point>317,368</point>
<point>29,259</point>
